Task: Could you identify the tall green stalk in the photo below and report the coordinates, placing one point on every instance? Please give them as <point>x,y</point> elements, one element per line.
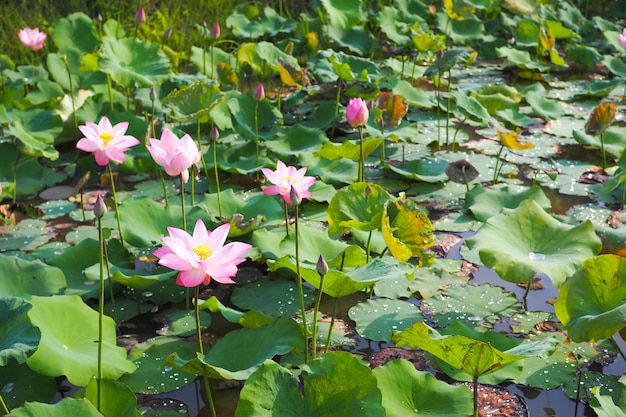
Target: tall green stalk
<point>362,156</point>
<point>99,212</point>
<point>4,406</point>
<point>205,379</point>
<point>117,211</point>
<point>69,76</point>
<point>305,327</point>
<point>215,136</point>
<point>182,202</point>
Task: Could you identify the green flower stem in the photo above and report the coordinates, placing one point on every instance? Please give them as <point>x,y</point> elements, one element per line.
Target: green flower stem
<point>217,178</point>
<point>117,212</point>
<point>317,309</point>
<point>207,387</point>
<point>167,203</point>
<point>204,167</point>
<point>182,202</point>
<point>332,132</point>
<point>193,184</point>
<point>603,153</point>
<point>256,138</point>
<point>69,76</point>
<point>476,396</point>
<point>152,128</point>
<point>332,323</point>
<point>382,145</point>
<point>496,170</point>
<point>212,55</point>
<point>448,107</point>
<point>4,406</point>
<point>100,310</point>
<point>15,178</point>
<point>529,284</point>
<point>362,159</point>
<point>286,218</point>
<point>369,245</point>
<point>110,88</point>
<point>305,327</point>
<point>619,350</point>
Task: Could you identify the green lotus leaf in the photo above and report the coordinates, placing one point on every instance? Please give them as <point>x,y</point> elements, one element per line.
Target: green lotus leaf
<point>546,108</point>
<point>36,130</point>
<point>348,149</point>
<point>614,142</point>
<point>47,92</point>
<point>67,407</point>
<point>377,319</point>
<point>243,109</point>
<point>589,57</point>
<point>297,139</point>
<point>478,306</point>
<point>75,31</point>
<point>151,376</point>
<point>116,399</point>
<point>201,59</point>
<point>182,322</point>
<point>69,328</point>
<point>350,67</point>
<point>191,102</point>
<point>269,23</point>
<point>214,305</point>
<point>274,391</point>
<point>243,351</point>
<point>427,169</point>
<point>615,65</point>
<point>606,405</point>
<point>471,356</point>
<point>26,235</point>
<point>485,203</point>
<point>249,205</point>
<point>344,13</point>
<point>463,31</point>
<point>358,206</point>
<point>18,337</point>
<point>20,384</point>
<point>275,298</point>
<point>29,277</point>
<point>133,63</point>
<point>409,392</point>
<point>406,229</point>
<point>444,62</point>
<point>272,56</point>
<point>413,95</point>
<point>520,58</point>
<point>470,107</point>
<point>354,39</point>
<point>524,242</point>
<point>592,302</point>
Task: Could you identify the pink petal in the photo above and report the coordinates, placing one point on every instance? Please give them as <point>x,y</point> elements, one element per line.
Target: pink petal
<point>87,145</point>
<point>191,278</point>
<point>101,158</point>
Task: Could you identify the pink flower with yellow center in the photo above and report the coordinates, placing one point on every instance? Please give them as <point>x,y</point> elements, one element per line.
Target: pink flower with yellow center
<point>173,154</point>
<point>286,177</point>
<point>357,113</point>
<point>202,256</point>
<point>32,38</point>
<point>106,141</point>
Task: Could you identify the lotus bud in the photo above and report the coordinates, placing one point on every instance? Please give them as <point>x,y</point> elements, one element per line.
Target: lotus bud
<point>153,94</point>
<point>259,92</point>
<point>215,30</point>
<point>322,266</point>
<point>289,48</point>
<point>622,38</point>
<point>140,16</point>
<point>99,209</point>
<point>167,34</point>
<point>357,113</point>
<point>295,196</point>
<point>215,134</point>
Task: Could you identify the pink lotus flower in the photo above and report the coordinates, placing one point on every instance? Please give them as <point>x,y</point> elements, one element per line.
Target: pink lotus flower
<point>202,256</point>
<point>106,141</point>
<point>140,16</point>
<point>622,38</point>
<point>216,30</point>
<point>32,38</point>
<point>259,92</point>
<point>357,112</point>
<point>173,154</point>
<point>286,177</point>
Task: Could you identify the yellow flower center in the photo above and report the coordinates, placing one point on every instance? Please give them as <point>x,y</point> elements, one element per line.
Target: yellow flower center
<point>106,137</point>
<point>203,251</point>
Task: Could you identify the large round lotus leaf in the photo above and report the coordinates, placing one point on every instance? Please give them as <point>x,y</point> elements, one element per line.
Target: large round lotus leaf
<point>471,356</point>
<point>519,244</point>
<point>18,337</point>
<point>592,302</point>
<point>267,119</point>
<point>193,101</point>
<point>19,383</point>
<point>69,331</point>
<point>377,319</point>
<point>75,31</point>
<point>116,399</point>
<point>242,351</point>
<point>337,384</point>
<point>272,297</point>
<point>151,377</point>
<point>29,277</point>
<point>36,130</point>
<point>485,203</point>
<point>145,221</point>
<point>25,235</point>
<point>358,206</point>
<point>133,63</point>
<point>67,407</point>
<point>409,392</point>
<point>407,229</point>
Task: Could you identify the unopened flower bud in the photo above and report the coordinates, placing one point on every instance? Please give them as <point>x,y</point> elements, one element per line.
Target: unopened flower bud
<point>215,30</point>
<point>153,94</point>
<point>215,134</point>
<point>322,266</point>
<point>259,92</point>
<point>167,34</point>
<point>140,16</point>
<point>295,196</point>
<point>99,209</point>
